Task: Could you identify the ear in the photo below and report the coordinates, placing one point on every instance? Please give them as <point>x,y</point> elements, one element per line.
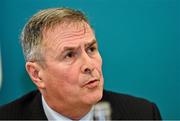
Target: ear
<point>34,70</point>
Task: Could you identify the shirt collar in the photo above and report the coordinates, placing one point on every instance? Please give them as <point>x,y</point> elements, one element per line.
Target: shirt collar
<point>53,115</point>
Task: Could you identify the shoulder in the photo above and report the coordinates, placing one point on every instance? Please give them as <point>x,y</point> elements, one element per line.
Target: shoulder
<point>119,97</point>
<point>130,107</point>
<point>23,107</point>
<point>20,102</point>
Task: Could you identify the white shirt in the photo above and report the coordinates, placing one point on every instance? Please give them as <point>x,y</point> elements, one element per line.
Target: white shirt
<point>53,115</point>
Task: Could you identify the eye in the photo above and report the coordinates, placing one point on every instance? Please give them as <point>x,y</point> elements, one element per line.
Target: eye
<point>92,49</point>
<point>69,55</point>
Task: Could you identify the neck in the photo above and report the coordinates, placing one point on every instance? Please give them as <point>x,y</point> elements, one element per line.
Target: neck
<point>73,111</point>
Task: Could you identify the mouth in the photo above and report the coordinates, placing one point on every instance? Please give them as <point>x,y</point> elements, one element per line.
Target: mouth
<point>92,83</point>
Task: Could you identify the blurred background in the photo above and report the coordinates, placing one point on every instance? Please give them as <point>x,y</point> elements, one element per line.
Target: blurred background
<point>139,41</point>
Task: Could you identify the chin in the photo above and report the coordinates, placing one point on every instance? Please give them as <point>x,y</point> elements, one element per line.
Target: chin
<point>93,97</point>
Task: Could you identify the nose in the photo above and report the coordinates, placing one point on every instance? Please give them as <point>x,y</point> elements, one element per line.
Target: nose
<point>87,66</point>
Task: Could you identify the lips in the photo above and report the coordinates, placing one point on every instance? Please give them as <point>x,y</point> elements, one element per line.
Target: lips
<point>92,83</point>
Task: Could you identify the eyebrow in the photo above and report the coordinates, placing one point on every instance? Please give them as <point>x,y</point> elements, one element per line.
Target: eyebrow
<point>91,43</point>
<point>74,48</point>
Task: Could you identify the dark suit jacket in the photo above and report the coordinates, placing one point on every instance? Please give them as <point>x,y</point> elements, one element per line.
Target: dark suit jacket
<point>123,107</point>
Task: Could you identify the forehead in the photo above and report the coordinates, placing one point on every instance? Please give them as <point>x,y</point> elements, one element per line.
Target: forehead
<point>68,32</point>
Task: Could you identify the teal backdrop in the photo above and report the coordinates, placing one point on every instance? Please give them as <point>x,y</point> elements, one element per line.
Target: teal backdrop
<point>139,41</point>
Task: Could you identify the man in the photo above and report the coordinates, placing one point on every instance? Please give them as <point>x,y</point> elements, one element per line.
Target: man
<point>63,61</point>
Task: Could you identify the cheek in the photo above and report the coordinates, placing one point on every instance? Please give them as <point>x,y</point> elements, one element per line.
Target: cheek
<point>98,63</point>
<point>56,75</point>
<point>71,76</point>
<point>68,75</point>
<point>62,80</point>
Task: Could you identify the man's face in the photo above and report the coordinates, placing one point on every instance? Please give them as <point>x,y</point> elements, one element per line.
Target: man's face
<point>72,74</point>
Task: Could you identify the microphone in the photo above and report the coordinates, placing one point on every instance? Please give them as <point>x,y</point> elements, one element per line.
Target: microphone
<point>102,111</point>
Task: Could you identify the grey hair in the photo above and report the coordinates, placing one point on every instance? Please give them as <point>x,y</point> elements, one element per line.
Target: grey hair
<point>32,34</point>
